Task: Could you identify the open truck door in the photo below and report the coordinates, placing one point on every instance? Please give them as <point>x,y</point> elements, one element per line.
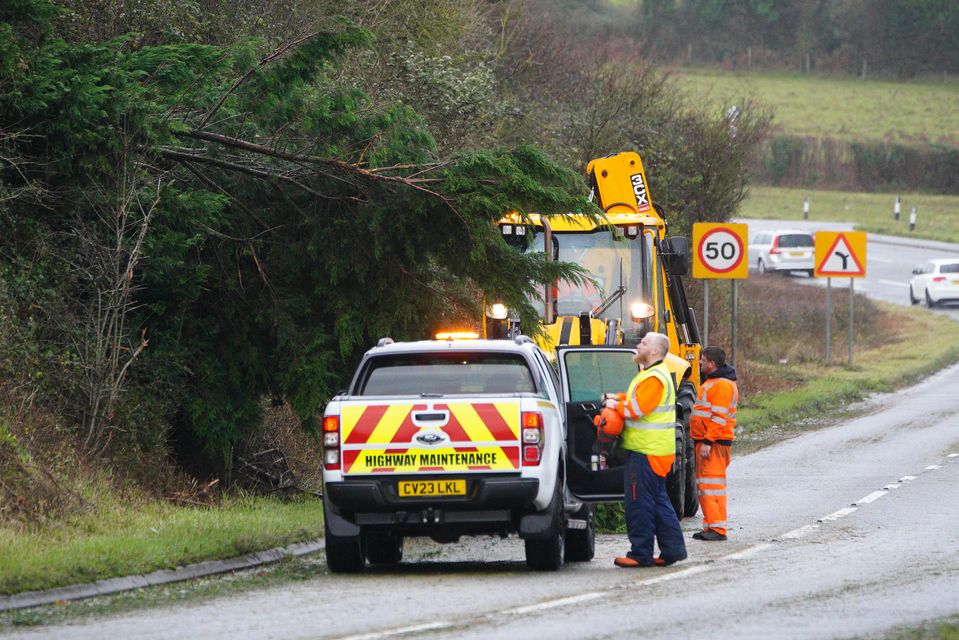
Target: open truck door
<point>586,373</point>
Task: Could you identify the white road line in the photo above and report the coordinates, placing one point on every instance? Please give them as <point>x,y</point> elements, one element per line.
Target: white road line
<point>894,283</point>
<point>953,455</point>
<point>559,602</point>
<point>906,478</point>
<point>933,467</point>
<point>872,497</point>
<point>745,553</point>
<point>795,534</point>
<point>890,487</point>
<point>430,626</point>
<point>836,515</point>
<point>871,259</point>
<point>676,574</point>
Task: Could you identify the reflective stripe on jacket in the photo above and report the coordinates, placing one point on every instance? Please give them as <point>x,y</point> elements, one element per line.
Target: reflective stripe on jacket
<point>652,433</point>
<point>714,414</point>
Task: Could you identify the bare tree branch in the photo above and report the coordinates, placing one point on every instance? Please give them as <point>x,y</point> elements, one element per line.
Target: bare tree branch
<point>259,173</point>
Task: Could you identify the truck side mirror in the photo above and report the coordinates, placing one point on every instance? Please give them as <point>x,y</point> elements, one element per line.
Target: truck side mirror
<point>675,252</point>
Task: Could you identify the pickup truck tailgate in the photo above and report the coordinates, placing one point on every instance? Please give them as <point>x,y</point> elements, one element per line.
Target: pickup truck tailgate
<point>452,436</point>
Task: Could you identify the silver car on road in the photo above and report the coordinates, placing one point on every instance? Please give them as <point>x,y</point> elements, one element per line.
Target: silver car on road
<point>782,250</point>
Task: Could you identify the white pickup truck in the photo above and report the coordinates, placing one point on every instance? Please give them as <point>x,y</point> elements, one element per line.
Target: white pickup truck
<point>451,438</point>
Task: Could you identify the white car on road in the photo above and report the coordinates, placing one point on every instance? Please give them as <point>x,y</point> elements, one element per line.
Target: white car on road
<point>936,281</point>
<point>782,250</point>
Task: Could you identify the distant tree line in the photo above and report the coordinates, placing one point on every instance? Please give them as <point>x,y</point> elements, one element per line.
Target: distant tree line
<point>902,38</point>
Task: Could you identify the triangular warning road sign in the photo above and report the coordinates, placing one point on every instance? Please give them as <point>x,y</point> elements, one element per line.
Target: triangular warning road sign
<point>841,260</point>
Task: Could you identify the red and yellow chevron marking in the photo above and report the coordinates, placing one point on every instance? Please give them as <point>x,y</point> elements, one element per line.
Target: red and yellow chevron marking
<point>378,424</point>
<point>489,427</point>
<point>448,459</point>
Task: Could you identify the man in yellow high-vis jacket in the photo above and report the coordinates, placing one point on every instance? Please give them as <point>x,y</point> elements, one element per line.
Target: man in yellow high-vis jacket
<point>649,411</point>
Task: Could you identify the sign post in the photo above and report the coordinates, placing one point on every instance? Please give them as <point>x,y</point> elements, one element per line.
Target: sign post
<point>720,253</point>
<point>706,312</point>
<point>840,254</point>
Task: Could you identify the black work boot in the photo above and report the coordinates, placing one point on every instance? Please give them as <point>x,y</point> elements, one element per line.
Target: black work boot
<point>709,535</point>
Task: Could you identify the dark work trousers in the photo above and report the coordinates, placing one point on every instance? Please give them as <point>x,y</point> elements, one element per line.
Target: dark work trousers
<point>649,513</point>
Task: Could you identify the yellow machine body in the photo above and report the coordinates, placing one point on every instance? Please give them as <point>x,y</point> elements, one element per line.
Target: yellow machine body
<point>621,250</point>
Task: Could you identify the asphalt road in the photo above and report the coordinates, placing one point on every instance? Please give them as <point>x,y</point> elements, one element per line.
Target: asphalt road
<point>842,532</point>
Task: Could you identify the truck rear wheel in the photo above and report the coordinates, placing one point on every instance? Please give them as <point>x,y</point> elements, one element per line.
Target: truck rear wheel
<point>384,548</point>
<point>685,399</point>
<point>692,490</point>
<point>549,553</point>
<point>676,480</point>
<point>581,543</point>
<point>344,554</point>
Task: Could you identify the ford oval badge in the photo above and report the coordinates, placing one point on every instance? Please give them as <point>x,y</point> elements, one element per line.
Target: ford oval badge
<point>430,437</point>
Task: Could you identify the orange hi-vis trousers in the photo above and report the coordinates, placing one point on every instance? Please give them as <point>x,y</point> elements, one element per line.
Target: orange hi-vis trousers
<point>711,483</point>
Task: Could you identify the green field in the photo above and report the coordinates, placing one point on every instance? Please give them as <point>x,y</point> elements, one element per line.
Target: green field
<point>844,108</point>
<point>937,217</point>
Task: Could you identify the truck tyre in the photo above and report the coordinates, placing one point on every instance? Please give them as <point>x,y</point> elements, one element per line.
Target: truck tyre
<point>548,554</point>
<point>384,548</point>
<point>676,479</point>
<point>343,554</point>
<point>685,502</point>
<point>581,543</point>
<point>692,490</point>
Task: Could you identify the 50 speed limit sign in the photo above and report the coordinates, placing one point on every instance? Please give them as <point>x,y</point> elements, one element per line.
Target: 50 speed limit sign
<point>719,250</point>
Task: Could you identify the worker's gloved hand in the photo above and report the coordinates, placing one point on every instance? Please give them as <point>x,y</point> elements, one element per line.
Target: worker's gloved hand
<point>610,403</point>
<point>607,396</point>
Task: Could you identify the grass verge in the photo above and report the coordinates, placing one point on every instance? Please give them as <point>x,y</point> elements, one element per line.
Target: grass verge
<point>936,217</point>
<point>125,537</point>
<point>945,629</point>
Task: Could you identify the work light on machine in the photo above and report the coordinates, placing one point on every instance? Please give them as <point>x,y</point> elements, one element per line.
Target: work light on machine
<point>497,311</point>
<point>640,310</point>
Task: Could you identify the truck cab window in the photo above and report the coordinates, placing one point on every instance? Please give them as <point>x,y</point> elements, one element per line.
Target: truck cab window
<point>592,373</point>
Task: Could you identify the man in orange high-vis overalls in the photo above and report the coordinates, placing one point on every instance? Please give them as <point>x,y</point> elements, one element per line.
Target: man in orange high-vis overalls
<point>712,424</point>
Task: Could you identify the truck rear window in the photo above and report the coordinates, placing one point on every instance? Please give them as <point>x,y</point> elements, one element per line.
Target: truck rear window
<point>446,374</point>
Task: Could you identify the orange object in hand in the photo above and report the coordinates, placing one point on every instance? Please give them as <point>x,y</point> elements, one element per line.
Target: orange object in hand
<point>609,422</point>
